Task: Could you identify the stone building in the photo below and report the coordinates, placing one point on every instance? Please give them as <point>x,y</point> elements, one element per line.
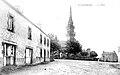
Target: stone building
<point>109,56</point>
<point>21,41</point>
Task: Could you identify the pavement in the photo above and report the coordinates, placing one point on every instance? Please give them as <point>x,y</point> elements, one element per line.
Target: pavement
<point>70,67</point>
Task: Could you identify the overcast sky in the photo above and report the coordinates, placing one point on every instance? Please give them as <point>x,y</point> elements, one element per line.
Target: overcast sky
<point>97,22</point>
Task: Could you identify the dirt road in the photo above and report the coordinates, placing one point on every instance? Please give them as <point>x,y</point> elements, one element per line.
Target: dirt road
<point>70,67</point>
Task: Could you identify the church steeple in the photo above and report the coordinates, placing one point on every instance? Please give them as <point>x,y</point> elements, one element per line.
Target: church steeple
<point>70,27</point>
<point>70,17</point>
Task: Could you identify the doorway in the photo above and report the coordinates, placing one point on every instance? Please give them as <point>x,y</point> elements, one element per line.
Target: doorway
<point>9,54</point>
<point>28,55</point>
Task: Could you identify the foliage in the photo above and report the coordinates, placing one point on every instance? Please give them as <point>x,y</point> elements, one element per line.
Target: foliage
<point>63,56</point>
<point>84,54</point>
<point>93,54</point>
<point>79,54</point>
<point>71,56</point>
<point>73,47</point>
<point>54,46</point>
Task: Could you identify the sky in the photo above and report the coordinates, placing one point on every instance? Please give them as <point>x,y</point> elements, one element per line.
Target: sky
<point>96,22</point>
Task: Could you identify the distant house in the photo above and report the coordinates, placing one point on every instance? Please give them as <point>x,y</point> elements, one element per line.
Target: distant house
<point>109,56</point>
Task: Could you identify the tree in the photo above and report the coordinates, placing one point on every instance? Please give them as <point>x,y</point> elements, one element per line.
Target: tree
<point>54,45</point>
<point>73,47</point>
<point>84,54</point>
<point>93,54</point>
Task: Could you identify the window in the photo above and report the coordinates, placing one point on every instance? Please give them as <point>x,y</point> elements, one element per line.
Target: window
<point>41,52</point>
<point>48,54</point>
<point>9,50</point>
<point>48,42</point>
<point>44,52</point>
<point>10,23</point>
<point>44,41</point>
<point>40,39</point>
<point>29,33</point>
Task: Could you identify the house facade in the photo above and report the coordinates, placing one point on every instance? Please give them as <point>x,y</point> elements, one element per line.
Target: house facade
<point>21,41</point>
<point>109,56</point>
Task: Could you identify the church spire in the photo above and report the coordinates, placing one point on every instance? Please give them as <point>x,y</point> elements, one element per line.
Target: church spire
<point>70,27</point>
<point>70,18</point>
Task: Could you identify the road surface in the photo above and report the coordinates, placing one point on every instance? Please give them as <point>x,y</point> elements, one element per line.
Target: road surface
<point>70,67</point>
